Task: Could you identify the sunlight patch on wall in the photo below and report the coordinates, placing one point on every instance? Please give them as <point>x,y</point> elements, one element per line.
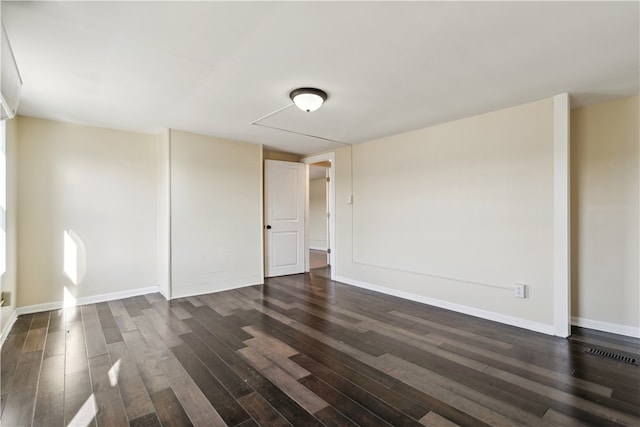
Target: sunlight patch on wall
<point>70,258</point>
<point>74,262</point>
<point>69,300</point>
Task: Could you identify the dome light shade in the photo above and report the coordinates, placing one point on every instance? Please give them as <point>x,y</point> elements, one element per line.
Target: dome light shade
<point>308,99</point>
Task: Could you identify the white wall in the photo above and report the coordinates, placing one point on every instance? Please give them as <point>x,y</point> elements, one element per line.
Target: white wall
<point>318,214</point>
<point>456,214</point>
<point>98,186</point>
<point>216,214</point>
<point>605,187</point>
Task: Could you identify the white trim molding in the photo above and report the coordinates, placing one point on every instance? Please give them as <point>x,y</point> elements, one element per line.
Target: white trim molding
<point>328,156</point>
<point>8,325</point>
<point>613,328</point>
<point>476,312</point>
<point>57,305</point>
<point>194,293</point>
<point>561,218</point>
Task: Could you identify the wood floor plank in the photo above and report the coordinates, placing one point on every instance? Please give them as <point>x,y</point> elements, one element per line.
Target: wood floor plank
<point>261,411</point>
<point>342,403</point>
<point>199,409</point>
<point>56,321</point>
<point>285,405</point>
<point>154,342</point>
<point>195,301</point>
<point>49,408</point>
<point>223,373</point>
<point>156,296</point>
<point>10,356</point>
<point>219,326</point>
<point>330,416</point>
<point>254,357</point>
<point>469,336</point>
<point>481,406</point>
<point>110,408</point>
<point>35,340</point>
<point>228,408</point>
<point>71,314</point>
<point>168,317</point>
<point>290,367</point>
<point>41,320</point>
<point>304,340</point>
<point>560,419</point>
<point>493,358</point>
<point>132,307</point>
<point>75,348</point>
<point>146,361</point>
<point>149,420</point>
<point>55,344</point>
<point>180,312</point>
<point>79,401</point>
<point>108,322</point>
<point>249,423</point>
<point>165,331</point>
<point>169,409</point>
<point>311,402</point>
<point>434,420</point>
<point>566,398</point>
<point>121,316</point>
<point>142,302</point>
<point>370,395</point>
<point>18,410</point>
<point>94,338</point>
<point>132,388</point>
<point>482,382</point>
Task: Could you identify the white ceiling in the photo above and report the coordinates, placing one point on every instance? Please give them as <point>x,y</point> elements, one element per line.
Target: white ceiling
<point>388,67</point>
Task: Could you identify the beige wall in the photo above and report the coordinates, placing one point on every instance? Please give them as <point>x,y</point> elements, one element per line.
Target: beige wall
<point>318,214</point>
<point>605,192</point>
<point>216,214</point>
<point>442,212</point>
<point>9,278</point>
<point>98,186</point>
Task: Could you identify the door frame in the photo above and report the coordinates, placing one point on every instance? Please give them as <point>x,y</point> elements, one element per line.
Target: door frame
<point>331,157</point>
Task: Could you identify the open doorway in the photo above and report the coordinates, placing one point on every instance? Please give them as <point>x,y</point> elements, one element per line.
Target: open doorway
<point>319,215</point>
<point>320,224</point>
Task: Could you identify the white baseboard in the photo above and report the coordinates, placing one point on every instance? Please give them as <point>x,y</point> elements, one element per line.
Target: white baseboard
<point>193,293</point>
<point>37,308</point>
<point>613,328</point>
<point>7,326</point>
<point>476,312</point>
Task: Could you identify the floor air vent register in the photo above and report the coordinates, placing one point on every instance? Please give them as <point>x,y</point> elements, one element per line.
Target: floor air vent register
<point>614,356</point>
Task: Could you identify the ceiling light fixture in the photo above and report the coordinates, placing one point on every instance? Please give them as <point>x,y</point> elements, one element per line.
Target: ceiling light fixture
<point>307,98</point>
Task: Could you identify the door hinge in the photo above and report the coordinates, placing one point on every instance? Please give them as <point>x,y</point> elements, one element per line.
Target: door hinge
<point>329,250</point>
<point>328,179</point>
<point>328,214</point>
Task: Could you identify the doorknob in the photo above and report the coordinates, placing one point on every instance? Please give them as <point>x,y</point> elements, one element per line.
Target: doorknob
<point>268,227</point>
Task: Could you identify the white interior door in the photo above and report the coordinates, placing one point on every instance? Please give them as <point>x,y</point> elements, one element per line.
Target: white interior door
<point>284,198</point>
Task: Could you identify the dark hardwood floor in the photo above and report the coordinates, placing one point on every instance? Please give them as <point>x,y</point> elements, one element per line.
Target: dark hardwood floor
<point>305,351</point>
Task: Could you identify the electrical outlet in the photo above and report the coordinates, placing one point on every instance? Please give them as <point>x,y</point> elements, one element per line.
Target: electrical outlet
<point>520,290</point>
